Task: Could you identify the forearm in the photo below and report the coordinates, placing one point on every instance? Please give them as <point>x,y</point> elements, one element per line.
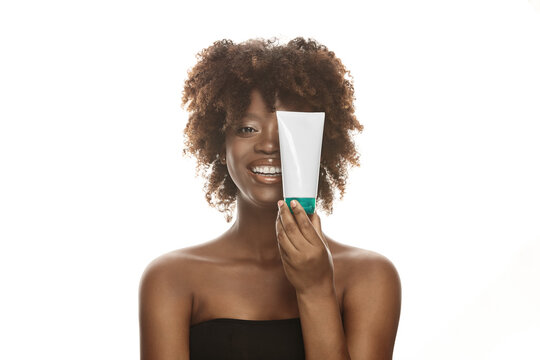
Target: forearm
<point>322,329</point>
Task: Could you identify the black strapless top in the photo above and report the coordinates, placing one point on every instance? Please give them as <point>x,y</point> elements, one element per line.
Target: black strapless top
<point>237,339</point>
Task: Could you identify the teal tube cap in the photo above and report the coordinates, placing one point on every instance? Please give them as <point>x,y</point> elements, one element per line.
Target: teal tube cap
<point>307,203</point>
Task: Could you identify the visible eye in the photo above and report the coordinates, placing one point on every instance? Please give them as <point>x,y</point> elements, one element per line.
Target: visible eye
<point>246,127</point>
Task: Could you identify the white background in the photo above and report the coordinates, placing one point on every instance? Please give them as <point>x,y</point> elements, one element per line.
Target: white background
<point>93,185</point>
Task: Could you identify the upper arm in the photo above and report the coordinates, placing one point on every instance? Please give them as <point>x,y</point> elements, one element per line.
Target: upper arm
<point>164,312</point>
<point>372,306</point>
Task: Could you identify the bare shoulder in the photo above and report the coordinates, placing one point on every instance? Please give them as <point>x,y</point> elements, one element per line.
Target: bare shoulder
<point>371,263</point>
<point>372,304</point>
<point>174,269</point>
<point>167,265</point>
<point>362,266</point>
<point>165,307</point>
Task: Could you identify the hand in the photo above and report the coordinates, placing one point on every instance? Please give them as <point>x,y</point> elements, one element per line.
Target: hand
<point>304,251</point>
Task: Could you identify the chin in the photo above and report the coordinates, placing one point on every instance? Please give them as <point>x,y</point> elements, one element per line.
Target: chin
<point>267,201</point>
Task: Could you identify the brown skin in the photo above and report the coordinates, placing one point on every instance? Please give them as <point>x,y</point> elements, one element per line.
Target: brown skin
<point>217,94</point>
<point>253,234</point>
<point>251,242</point>
<point>256,228</point>
<point>241,274</point>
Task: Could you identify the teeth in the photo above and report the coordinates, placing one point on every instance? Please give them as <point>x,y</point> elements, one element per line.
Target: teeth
<point>267,169</point>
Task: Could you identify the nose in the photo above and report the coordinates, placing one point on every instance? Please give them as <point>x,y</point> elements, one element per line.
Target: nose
<point>269,139</point>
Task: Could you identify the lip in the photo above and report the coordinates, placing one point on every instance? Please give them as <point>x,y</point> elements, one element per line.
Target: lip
<point>265,179</point>
<point>265,162</point>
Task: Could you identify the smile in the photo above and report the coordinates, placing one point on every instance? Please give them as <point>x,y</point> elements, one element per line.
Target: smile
<point>266,178</point>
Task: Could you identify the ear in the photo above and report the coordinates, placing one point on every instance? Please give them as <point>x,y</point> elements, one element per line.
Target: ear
<point>221,156</point>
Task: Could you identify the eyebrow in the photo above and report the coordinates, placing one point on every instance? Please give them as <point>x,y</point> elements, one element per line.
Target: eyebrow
<point>251,115</point>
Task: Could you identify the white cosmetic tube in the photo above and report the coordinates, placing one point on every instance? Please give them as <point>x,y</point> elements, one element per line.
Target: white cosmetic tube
<point>300,143</point>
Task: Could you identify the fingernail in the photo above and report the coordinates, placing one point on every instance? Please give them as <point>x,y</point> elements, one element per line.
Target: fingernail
<point>293,203</point>
<point>279,203</point>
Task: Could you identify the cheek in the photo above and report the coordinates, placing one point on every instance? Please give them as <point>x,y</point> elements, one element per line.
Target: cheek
<point>236,164</point>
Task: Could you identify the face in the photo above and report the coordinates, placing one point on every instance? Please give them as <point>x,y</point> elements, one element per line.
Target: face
<point>254,142</point>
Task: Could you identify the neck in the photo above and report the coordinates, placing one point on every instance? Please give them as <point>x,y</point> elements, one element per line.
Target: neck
<point>253,234</point>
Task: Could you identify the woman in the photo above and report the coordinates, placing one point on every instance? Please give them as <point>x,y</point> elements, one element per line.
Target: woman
<point>273,286</point>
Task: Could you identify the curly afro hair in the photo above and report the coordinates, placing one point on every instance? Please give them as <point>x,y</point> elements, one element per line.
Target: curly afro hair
<point>218,90</point>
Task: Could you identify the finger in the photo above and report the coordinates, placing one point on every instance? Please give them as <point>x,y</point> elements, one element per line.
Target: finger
<point>284,242</point>
<point>291,227</point>
<point>304,224</point>
<point>316,221</point>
